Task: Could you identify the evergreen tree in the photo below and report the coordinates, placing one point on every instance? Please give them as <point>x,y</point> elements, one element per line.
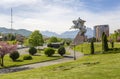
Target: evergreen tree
<point>112,44</point>
<point>116,34</point>
<point>92,47</point>
<point>104,42</point>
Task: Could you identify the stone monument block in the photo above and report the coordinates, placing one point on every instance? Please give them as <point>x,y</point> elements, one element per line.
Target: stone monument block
<point>79,39</point>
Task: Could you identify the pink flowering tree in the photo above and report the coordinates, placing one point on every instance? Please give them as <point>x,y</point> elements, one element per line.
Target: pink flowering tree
<point>5,48</point>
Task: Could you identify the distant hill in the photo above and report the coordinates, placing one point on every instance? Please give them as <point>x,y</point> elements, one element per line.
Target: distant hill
<point>89,32</point>
<point>49,34</point>
<point>66,34</point>
<point>23,32</point>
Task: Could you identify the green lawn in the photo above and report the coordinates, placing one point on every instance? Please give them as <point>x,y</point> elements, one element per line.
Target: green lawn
<point>100,66</point>
<point>37,58</point>
<point>85,48</point>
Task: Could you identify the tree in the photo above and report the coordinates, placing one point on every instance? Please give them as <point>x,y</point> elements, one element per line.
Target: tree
<point>53,39</point>
<point>116,35</point>
<point>61,51</point>
<point>35,39</point>
<point>92,47</point>
<point>6,48</point>
<point>68,41</point>
<point>32,50</point>
<point>14,55</point>
<point>11,37</point>
<point>112,43</point>
<point>104,42</point>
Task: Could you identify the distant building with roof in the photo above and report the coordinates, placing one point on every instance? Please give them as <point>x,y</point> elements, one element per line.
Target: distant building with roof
<point>118,30</point>
<point>20,38</point>
<point>99,29</point>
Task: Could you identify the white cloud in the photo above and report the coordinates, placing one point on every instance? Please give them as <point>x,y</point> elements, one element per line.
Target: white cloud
<point>4,21</point>
<point>16,3</point>
<point>56,17</point>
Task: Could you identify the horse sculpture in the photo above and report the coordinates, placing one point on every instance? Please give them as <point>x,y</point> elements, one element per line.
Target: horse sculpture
<point>79,24</point>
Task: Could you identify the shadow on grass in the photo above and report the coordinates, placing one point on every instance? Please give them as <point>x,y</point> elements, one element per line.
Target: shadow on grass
<point>15,69</point>
<point>55,56</point>
<point>18,61</point>
<point>110,51</point>
<point>36,55</point>
<point>91,63</point>
<point>96,53</point>
<point>113,51</point>
<point>63,68</point>
<point>68,56</point>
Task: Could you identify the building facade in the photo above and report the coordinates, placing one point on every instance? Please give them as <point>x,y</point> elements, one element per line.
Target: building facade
<point>118,30</point>
<point>99,29</point>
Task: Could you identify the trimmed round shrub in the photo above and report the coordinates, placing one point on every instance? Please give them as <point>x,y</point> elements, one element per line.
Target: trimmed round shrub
<point>14,55</point>
<point>61,51</point>
<point>32,50</point>
<point>27,57</point>
<point>49,51</point>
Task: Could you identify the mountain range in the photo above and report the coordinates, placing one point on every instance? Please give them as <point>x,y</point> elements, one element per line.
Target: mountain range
<point>23,32</point>
<point>66,34</point>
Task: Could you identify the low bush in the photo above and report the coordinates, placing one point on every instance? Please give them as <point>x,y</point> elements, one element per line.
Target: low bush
<point>32,50</point>
<point>92,47</point>
<point>49,51</point>
<point>68,43</point>
<point>14,55</point>
<point>27,57</point>
<point>61,51</point>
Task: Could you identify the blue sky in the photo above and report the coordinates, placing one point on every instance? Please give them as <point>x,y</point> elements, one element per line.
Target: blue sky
<point>57,15</point>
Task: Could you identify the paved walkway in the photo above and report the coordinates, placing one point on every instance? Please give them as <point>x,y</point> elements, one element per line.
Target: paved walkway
<point>37,65</point>
<point>23,51</point>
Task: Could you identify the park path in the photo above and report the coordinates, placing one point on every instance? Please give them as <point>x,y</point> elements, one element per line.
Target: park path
<point>67,58</point>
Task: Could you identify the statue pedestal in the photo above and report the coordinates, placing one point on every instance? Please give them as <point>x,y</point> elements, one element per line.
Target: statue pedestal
<point>79,39</point>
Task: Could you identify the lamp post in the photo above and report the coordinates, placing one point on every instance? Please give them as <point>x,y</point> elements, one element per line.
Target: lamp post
<point>79,24</point>
<point>74,53</point>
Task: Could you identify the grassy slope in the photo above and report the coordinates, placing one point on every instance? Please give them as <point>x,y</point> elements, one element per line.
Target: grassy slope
<point>99,66</point>
<point>102,66</point>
